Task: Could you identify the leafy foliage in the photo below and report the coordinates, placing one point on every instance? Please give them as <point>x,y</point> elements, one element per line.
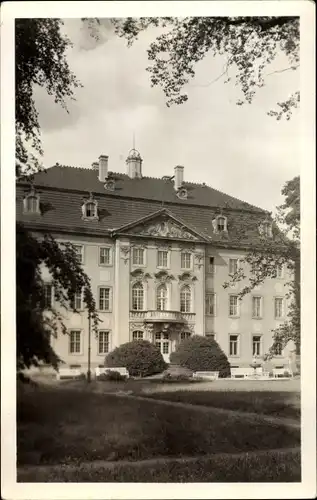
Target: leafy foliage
<point>139,357</point>
<point>200,353</point>
<point>40,58</point>
<point>282,249</point>
<point>37,321</point>
<point>112,376</point>
<point>250,45</point>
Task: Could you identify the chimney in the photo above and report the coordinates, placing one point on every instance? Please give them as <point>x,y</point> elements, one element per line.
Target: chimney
<point>103,168</point>
<point>95,165</point>
<point>179,177</point>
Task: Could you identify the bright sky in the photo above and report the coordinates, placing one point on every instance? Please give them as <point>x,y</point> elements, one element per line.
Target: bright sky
<point>236,149</point>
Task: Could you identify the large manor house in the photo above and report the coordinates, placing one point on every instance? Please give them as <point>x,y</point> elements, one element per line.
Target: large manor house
<point>158,252</point>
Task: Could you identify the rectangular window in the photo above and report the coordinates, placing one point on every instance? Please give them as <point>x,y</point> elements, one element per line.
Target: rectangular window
<point>279,271</point>
<point>75,342</point>
<point>137,335</point>
<point>186,260</point>
<point>104,299</point>
<point>210,304</point>
<point>184,335</point>
<point>104,256</point>
<point>138,257</point>
<point>77,302</point>
<point>233,266</point>
<point>233,345</point>
<point>233,305</point>
<point>278,307</point>
<point>256,307</point>
<point>79,249</point>
<point>162,258</point>
<point>47,295</point>
<point>165,347</point>
<point>103,342</point>
<point>256,345</point>
<point>211,265</point>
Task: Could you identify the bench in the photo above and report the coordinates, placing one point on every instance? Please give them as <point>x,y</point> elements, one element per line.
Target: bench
<point>242,372</point>
<point>101,370</point>
<point>206,375</point>
<point>68,373</point>
<point>280,372</point>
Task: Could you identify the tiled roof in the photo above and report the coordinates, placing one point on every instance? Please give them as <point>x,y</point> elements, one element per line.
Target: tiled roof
<point>63,189</point>
<point>149,188</point>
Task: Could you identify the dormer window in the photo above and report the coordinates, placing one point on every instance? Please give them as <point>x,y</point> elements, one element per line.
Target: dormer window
<point>90,209</point>
<point>265,229</point>
<point>31,203</point>
<point>220,224</point>
<point>109,184</point>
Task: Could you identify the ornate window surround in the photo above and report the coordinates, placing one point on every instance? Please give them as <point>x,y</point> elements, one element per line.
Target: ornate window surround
<point>89,201</point>
<point>32,194</point>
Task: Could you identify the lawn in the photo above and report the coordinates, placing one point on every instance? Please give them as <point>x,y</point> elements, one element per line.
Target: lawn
<point>69,427</point>
<point>277,404</point>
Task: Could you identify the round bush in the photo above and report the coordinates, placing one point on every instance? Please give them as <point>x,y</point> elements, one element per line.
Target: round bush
<point>200,353</point>
<point>140,358</point>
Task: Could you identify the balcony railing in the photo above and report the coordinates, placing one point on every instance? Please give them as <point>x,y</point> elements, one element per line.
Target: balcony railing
<point>164,316</point>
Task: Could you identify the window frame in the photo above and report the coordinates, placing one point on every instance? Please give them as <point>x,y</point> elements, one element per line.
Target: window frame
<point>137,337</point>
<point>162,250</point>
<point>182,289</point>
<point>279,318</point>
<point>98,342</point>
<point>82,252</point>
<point>101,287</point>
<point>210,294</point>
<point>81,342</point>
<point>45,285</point>
<point>238,345</point>
<point>109,248</point>
<point>34,197</point>
<point>260,343</point>
<point>280,275</point>
<point>254,316</point>
<point>138,248</point>
<point>187,253</point>
<point>238,306</point>
<point>73,305</point>
<point>235,260</point>
<point>211,268</point>
<point>162,286</point>
<point>133,288</point>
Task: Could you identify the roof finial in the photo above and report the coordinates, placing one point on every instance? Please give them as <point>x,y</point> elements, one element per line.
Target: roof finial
<point>133,141</point>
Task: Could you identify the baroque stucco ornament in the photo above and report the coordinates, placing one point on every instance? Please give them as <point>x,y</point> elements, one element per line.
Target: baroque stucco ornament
<point>125,252</point>
<point>163,277</point>
<point>166,229</point>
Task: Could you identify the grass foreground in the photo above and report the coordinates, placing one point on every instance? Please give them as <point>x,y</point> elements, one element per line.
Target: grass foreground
<point>69,431</point>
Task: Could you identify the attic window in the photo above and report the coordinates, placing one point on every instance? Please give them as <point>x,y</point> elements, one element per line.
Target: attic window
<point>31,203</point>
<point>90,209</point>
<point>182,193</point>
<point>109,184</point>
<point>265,229</point>
<point>220,224</point>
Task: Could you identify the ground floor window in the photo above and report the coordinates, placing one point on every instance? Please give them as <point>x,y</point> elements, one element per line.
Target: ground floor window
<point>162,341</point>
<point>233,345</point>
<point>75,342</point>
<point>103,342</point>
<point>137,335</point>
<point>184,335</point>
<point>256,345</point>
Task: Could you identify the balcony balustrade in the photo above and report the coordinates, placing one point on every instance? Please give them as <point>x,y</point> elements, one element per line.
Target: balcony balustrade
<point>162,316</point>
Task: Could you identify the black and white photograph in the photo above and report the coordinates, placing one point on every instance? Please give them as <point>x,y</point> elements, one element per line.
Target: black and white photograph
<point>159,249</point>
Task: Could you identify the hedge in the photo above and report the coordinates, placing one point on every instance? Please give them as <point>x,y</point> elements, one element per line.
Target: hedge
<point>199,353</point>
<point>139,357</point>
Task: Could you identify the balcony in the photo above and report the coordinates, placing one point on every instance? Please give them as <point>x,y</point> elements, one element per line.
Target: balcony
<point>162,316</point>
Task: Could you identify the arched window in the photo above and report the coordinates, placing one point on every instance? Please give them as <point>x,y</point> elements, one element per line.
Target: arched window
<point>186,299</point>
<point>137,297</point>
<point>31,202</point>
<point>161,298</point>
<point>137,335</point>
<point>90,208</point>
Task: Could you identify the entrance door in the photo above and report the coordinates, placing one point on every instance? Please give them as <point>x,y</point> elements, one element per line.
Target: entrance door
<point>163,342</point>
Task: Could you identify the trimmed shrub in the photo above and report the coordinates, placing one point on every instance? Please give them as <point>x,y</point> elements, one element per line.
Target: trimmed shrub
<point>111,376</point>
<point>140,358</point>
<point>168,378</point>
<point>200,353</point>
